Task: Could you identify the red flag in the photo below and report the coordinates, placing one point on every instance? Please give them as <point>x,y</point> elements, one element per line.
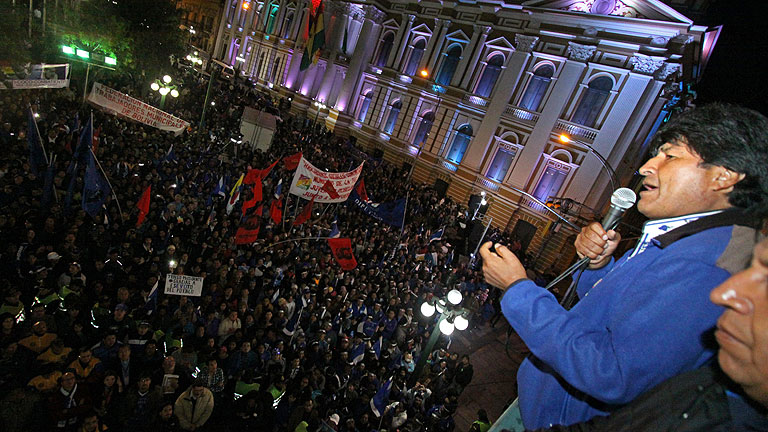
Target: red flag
<point>292,162</point>
<point>248,232</point>
<point>144,205</point>
<point>330,190</point>
<point>265,172</point>
<point>252,177</point>
<point>360,189</point>
<point>254,200</point>
<point>276,211</point>
<point>342,251</point>
<point>305,214</point>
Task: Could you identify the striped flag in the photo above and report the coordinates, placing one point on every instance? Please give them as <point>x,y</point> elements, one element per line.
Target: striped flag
<point>234,196</point>
<point>315,36</point>
<point>379,401</point>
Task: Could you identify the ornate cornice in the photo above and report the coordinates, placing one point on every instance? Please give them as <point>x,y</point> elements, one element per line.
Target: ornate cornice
<point>525,43</point>
<point>579,52</point>
<point>374,14</point>
<point>645,64</point>
<point>667,70</point>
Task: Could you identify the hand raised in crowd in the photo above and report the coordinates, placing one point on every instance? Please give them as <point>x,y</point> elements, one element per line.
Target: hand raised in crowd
<point>502,268</point>
<point>597,244</point>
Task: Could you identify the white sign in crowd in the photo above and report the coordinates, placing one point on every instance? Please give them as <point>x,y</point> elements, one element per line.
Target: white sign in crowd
<point>183,285</point>
<point>308,182</point>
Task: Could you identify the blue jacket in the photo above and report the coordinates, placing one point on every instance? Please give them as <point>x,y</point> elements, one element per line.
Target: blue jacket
<point>639,322</point>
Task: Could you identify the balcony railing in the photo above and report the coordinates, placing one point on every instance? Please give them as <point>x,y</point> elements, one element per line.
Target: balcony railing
<point>521,114</point>
<point>576,131</point>
<point>475,100</point>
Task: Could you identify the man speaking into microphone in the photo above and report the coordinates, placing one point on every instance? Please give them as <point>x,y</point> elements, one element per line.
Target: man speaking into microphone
<point>644,317</point>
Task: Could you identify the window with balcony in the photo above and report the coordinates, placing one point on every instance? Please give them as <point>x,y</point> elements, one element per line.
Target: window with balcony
<point>593,101</point>
<point>490,75</point>
<point>384,49</point>
<point>502,160</point>
<point>394,112</point>
<point>287,25</point>
<point>413,61</point>
<point>364,105</point>
<point>537,87</point>
<point>425,125</point>
<point>460,143</point>
<point>448,68</point>
<point>550,183</point>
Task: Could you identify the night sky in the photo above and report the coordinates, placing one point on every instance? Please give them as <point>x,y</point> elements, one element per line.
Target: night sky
<point>736,72</point>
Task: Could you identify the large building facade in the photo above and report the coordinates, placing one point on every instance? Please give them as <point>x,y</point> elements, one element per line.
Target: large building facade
<point>475,95</point>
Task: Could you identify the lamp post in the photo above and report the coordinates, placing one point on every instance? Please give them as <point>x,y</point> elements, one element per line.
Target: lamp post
<point>164,87</point>
<point>318,106</point>
<point>611,173</point>
<point>452,317</point>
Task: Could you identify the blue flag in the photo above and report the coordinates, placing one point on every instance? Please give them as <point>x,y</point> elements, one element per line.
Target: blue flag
<point>335,233</point>
<point>84,144</point>
<point>290,327</point>
<point>36,151</point>
<point>357,353</point>
<point>279,189</point>
<point>379,401</point>
<point>95,190</point>
<point>438,235</point>
<point>151,303</point>
<point>171,156</point>
<point>391,213</point>
<point>377,348</point>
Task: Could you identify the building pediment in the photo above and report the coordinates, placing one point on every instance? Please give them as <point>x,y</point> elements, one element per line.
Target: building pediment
<point>640,9</point>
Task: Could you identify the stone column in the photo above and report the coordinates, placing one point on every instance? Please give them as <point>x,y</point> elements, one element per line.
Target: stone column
<point>430,45</point>
<point>396,54</point>
<point>566,83</point>
<point>337,33</point>
<point>479,48</point>
<point>291,80</point>
<point>362,55</point>
<point>505,85</point>
<point>437,49</point>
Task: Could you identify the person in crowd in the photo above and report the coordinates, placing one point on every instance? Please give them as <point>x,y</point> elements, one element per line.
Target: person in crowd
<point>705,187</point>
<point>69,404</point>
<point>140,404</point>
<point>166,420</point>
<point>194,406</point>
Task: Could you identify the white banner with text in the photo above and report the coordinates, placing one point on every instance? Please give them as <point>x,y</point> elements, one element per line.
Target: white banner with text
<point>134,109</point>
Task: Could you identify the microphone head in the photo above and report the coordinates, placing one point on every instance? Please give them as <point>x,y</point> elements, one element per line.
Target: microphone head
<point>623,198</point>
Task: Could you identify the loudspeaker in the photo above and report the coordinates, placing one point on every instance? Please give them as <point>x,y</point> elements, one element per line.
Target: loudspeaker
<point>476,229</point>
<point>441,187</point>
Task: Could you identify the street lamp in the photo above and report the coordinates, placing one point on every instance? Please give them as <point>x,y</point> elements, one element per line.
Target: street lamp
<point>611,173</point>
<point>452,317</point>
<point>164,87</point>
<point>318,106</point>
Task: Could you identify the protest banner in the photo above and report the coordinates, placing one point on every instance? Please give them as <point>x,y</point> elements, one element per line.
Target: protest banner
<point>36,76</point>
<point>308,183</point>
<point>123,105</point>
<point>183,285</point>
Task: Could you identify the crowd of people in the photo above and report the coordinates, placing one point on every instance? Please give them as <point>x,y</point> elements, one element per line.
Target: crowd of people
<point>281,338</point>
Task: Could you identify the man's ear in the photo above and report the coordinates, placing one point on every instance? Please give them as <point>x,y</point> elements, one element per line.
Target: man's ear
<point>726,179</point>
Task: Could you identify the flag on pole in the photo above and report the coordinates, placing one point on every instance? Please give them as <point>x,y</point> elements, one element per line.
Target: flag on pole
<point>276,211</point>
<point>234,196</point>
<point>305,214</point>
<point>170,156</point>
<point>290,327</point>
<point>84,145</point>
<point>220,189</point>
<point>377,348</point>
<point>330,190</point>
<point>95,190</point>
<point>151,303</point>
<point>380,399</point>
<point>255,199</point>
<point>358,353</point>
<point>335,233</point>
<point>315,35</point>
<point>292,162</point>
<point>253,176</point>
<point>438,235</point>
<point>37,157</point>
<point>279,188</point>
<point>143,205</point>
<point>248,232</point>
<point>342,251</point>
<point>360,189</point>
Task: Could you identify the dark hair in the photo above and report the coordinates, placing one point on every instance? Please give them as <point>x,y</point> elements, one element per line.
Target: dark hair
<point>730,136</point>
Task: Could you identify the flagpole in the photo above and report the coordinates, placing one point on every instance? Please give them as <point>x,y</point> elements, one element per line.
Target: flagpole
<point>39,137</point>
<point>114,195</point>
<point>53,161</point>
<point>402,226</point>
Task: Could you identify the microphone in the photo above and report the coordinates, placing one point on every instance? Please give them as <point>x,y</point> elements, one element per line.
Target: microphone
<point>621,200</point>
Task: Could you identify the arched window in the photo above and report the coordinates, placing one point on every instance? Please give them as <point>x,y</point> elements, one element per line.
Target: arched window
<point>593,101</point>
<point>364,106</point>
<point>273,75</point>
<point>460,143</point>
<point>384,49</point>
<point>415,58</point>
<point>424,127</point>
<point>502,160</point>
<point>490,75</point>
<point>537,87</point>
<point>394,112</point>
<point>271,18</point>
<point>287,25</point>
<point>448,67</point>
